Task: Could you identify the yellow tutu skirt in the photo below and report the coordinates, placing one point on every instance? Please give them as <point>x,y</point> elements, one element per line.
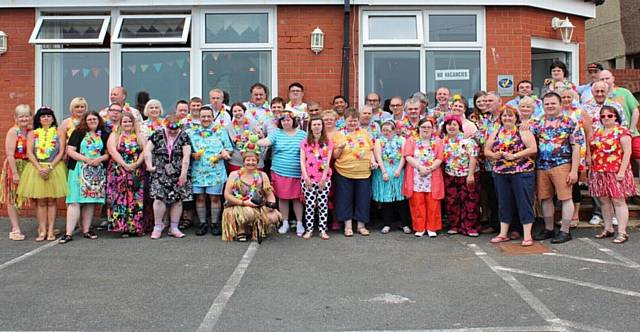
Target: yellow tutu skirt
<point>32,185</point>
<point>9,189</point>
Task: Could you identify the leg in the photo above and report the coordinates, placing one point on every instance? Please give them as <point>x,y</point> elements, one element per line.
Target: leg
<point>452,204</point>
<point>216,210</point>
<point>41,214</point>
<point>505,185</point>
<point>159,209</point>
<point>434,215</point>
<point>622,214</point>
<point>73,215</point>
<point>470,207</point>
<point>283,206</point>
<point>548,210</point>
<point>387,213</point>
<point>362,203</point>
<point>323,207</point>
<point>567,213</point>
<point>175,212</point>
<point>201,212</point>
<point>12,212</point>
<point>417,205</point>
<point>87,215</point>
<point>606,206</point>
<point>309,205</point>
<point>344,197</point>
<point>51,218</point>
<point>297,211</point>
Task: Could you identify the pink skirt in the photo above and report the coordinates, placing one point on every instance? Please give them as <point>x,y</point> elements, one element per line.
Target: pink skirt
<point>285,187</point>
<point>604,184</point>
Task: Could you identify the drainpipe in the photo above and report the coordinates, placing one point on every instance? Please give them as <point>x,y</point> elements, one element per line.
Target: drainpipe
<point>345,50</point>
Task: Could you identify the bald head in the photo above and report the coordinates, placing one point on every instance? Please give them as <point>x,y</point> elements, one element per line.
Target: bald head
<point>600,90</point>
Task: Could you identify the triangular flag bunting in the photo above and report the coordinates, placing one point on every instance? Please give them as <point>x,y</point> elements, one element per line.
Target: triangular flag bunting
<point>144,67</point>
<point>85,72</point>
<point>157,66</point>
<point>74,72</point>
<point>132,69</point>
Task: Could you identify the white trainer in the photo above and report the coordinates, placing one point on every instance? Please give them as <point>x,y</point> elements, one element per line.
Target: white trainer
<point>595,220</point>
<point>614,221</point>
<point>284,228</point>
<point>385,230</point>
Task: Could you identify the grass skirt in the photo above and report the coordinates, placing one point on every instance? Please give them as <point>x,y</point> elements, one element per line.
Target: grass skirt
<point>32,185</point>
<point>245,219</point>
<point>604,184</point>
<point>8,189</point>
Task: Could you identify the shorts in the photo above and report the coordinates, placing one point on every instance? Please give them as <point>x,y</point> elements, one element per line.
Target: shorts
<point>210,190</point>
<point>285,187</point>
<point>554,181</point>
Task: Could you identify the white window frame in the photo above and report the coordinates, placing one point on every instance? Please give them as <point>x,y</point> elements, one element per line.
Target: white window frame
<point>373,13</point>
<point>86,41</point>
<point>479,14</point>
<point>557,45</point>
<point>421,58</point>
<point>162,40</point>
<point>238,46</point>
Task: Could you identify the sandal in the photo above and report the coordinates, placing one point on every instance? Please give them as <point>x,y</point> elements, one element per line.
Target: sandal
<point>307,235</point>
<point>498,239</point>
<point>526,243</point>
<point>51,237</point>
<point>363,231</point>
<point>16,236</point>
<point>574,223</point>
<point>604,234</point>
<point>324,235</point>
<point>185,224</point>
<point>348,232</point>
<point>41,237</point>
<point>90,235</point>
<point>65,238</point>
<point>621,238</point>
<point>241,238</point>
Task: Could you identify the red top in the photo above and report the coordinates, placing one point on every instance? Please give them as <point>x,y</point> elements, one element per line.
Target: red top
<point>606,149</point>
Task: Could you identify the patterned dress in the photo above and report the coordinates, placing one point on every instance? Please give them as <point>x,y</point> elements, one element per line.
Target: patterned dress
<point>606,160</point>
<point>389,191</point>
<point>168,164</point>
<point>125,190</point>
<point>85,183</point>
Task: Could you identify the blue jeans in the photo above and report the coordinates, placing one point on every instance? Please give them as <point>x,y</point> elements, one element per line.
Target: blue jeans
<point>352,198</point>
<point>515,189</point>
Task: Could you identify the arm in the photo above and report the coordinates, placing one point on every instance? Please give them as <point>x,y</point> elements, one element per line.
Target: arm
<point>377,155</point>
<point>327,168</point>
<point>62,130</point>
<point>634,118</point>
<point>75,155</point>
<point>265,142</point>
<point>60,155</point>
<point>30,152</point>
<point>269,195</point>
<point>148,157</point>
<point>228,190</point>
<point>112,144</point>
<point>488,152</point>
<point>303,167</point>
<point>575,161</point>
<point>530,145</point>
<point>184,167</point>
<point>587,126</point>
<point>142,141</point>
<point>473,162</point>
<point>9,150</point>
<point>626,157</point>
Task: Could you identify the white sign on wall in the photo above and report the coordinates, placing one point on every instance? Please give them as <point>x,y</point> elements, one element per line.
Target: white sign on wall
<point>452,75</point>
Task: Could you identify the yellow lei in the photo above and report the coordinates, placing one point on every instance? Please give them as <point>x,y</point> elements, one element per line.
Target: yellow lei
<point>45,142</point>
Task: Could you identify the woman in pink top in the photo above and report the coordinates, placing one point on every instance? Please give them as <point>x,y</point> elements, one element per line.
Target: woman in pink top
<point>459,109</point>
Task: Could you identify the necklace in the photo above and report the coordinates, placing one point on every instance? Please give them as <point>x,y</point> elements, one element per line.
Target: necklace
<point>45,142</point>
<point>253,186</point>
<point>21,142</point>
<point>425,153</point>
<point>357,144</point>
<point>94,143</point>
<point>241,133</point>
<point>321,153</point>
<point>130,143</point>
<point>391,149</point>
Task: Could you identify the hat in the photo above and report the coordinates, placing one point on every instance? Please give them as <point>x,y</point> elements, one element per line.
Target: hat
<point>595,65</point>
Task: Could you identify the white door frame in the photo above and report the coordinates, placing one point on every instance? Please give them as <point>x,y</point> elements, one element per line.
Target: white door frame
<point>557,45</point>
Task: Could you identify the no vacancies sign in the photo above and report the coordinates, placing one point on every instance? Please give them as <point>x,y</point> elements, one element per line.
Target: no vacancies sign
<point>452,75</point>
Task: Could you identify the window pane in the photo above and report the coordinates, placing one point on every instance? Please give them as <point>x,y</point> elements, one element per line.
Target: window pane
<point>392,73</point>
<point>452,28</point>
<point>158,27</point>
<point>164,75</point>
<point>393,27</point>
<point>457,70</point>
<point>237,28</point>
<point>235,72</point>
<point>70,29</point>
<point>69,75</point>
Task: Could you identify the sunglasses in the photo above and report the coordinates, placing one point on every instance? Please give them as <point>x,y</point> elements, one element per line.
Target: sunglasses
<point>607,116</point>
<point>115,110</point>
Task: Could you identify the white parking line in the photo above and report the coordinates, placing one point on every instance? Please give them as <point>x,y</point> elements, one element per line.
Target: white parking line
<point>485,329</point>
<point>212,317</point>
<point>571,281</point>
<point>27,255</point>
<point>579,326</point>
<point>584,259</point>
<point>630,263</point>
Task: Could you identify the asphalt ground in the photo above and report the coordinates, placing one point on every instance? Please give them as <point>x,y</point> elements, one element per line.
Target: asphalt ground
<point>392,282</point>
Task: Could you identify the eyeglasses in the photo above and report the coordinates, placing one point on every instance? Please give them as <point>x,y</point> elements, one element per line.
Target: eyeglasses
<point>593,71</point>
<point>395,105</point>
<point>607,116</point>
<point>115,110</point>
<point>92,119</point>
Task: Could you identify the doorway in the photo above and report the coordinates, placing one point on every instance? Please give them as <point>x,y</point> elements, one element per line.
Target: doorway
<point>543,53</point>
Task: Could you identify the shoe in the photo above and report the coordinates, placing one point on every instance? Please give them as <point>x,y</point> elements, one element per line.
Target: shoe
<point>595,220</point>
<point>299,229</point>
<point>363,231</point>
<point>284,228</point>
<point>385,229</point>
<point>526,243</point>
<point>605,234</point>
<point>574,223</point>
<point>473,234</point>
<point>41,237</point>
<point>157,232</point>
<point>452,231</point>
<point>407,230</point>
<point>241,238</point>
<point>432,234</point>
<point>307,235</point>
<point>544,235</point>
<point>204,229</point>
<point>175,232</point>
<point>65,238</point>
<point>562,237</point>
<point>418,234</point>
<point>324,235</point>
<point>215,229</point>
<point>90,235</point>
<point>348,232</point>
<point>498,239</point>
<point>614,221</point>
<point>16,236</point>
<point>185,224</point>
<point>621,238</point>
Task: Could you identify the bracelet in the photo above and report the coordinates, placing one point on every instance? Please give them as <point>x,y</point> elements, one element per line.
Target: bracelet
<point>50,167</point>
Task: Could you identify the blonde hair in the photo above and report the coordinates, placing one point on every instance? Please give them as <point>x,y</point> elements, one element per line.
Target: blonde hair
<point>131,117</point>
<point>76,101</point>
<point>526,100</point>
<point>150,103</point>
<point>23,109</point>
<point>330,112</point>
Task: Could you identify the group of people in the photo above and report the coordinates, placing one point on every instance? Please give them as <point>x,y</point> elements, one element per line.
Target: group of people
<point>243,167</point>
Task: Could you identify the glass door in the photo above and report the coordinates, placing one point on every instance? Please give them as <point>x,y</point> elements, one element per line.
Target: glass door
<point>541,60</point>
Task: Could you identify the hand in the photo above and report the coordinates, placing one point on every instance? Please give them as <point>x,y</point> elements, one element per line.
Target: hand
<point>341,146</point>
<point>524,126</point>
<point>509,156</point>
<point>471,180</point>
<point>249,203</point>
<point>424,170</point>
<point>307,182</point>
<point>619,176</point>
<point>258,131</point>
<point>396,173</point>
<point>196,156</point>
<point>373,164</point>
<point>182,180</point>
<point>385,177</point>
<point>225,155</point>
<point>44,172</point>
<point>151,168</point>
<point>323,183</point>
<point>572,178</point>
<point>16,178</point>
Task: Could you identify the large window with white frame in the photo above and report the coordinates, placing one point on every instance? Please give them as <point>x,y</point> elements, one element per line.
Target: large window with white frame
<point>420,50</point>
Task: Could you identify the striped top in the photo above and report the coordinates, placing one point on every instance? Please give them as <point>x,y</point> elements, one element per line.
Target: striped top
<point>286,152</point>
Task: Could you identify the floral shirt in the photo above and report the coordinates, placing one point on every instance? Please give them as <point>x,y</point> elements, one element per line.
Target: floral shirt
<point>487,125</point>
<point>208,143</point>
<point>510,141</point>
<point>407,129</point>
<point>457,155</point>
<point>391,151</point>
<point>262,115</point>
<point>556,136</point>
<point>316,158</point>
<point>606,149</point>
<point>374,130</point>
<point>593,109</point>
<point>341,123</point>
<point>426,156</point>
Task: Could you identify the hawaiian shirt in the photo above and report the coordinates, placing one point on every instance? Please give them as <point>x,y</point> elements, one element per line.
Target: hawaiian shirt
<point>458,152</point>
<point>606,149</point>
<point>510,141</point>
<point>556,137</point>
<point>380,117</point>
<point>262,115</point>
<point>593,109</point>
<point>374,130</point>
<point>341,123</point>
<point>208,143</point>
<point>487,125</point>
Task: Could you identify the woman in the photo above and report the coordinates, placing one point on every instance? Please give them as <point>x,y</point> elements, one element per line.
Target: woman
<point>315,159</point>
<point>15,147</point>
<point>559,78</point>
<point>125,179</point>
<point>610,178</point>
<point>461,179</point>
<point>44,178</point>
<point>329,118</point>
<point>354,161</point>
<point>86,182</point>
<point>388,177</point>
<point>285,173</point>
<point>239,130</point>
<point>512,149</point>
<point>152,111</point>
<point>77,107</point>
<point>423,180</point>
<point>459,109</point>
<point>250,202</point>
<point>167,158</point>
<point>479,107</point>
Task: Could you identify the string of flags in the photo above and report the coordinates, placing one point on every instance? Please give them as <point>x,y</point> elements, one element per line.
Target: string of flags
<point>157,66</point>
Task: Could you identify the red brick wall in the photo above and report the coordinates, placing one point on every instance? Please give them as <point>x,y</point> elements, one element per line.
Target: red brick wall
<point>627,78</point>
<point>509,32</point>
<point>320,74</point>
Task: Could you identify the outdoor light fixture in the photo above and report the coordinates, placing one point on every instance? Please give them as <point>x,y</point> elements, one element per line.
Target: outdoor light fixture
<point>3,42</point>
<point>565,26</point>
<point>317,40</point>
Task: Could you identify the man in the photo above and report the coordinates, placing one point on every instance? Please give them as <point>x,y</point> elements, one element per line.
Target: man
<point>593,69</point>
<point>395,104</point>
<point>195,103</point>
<point>258,108</point>
<point>408,127</point>
<point>182,112</point>
<point>118,96</point>
<point>366,122</point>
<point>220,115</point>
<point>443,96</point>
<point>340,104</point>
<point>111,117</point>
<point>211,147</point>
<point>424,103</point>
<point>297,106</point>
<point>486,127</point>
<point>559,138</point>
<point>525,88</point>
<point>379,115</point>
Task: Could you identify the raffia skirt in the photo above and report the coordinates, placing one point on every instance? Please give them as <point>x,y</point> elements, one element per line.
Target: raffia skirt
<point>604,184</point>
<point>32,185</point>
<point>9,189</point>
<point>245,219</point>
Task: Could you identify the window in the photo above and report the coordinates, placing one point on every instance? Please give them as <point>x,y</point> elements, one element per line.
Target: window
<point>70,30</point>
<point>164,75</point>
<point>234,72</point>
<point>393,28</point>
<point>392,73</point>
<point>457,70</point>
<point>244,28</point>
<point>452,28</point>
<point>66,75</point>
<point>152,29</point>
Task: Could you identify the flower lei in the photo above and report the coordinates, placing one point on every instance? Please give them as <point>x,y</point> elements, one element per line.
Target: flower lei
<point>207,132</point>
<point>45,142</point>
<point>154,125</point>
<point>600,138</point>
<point>253,187</point>
<point>94,143</point>
<point>391,149</point>
<point>425,154</point>
<point>321,153</point>
<point>357,145</point>
<point>506,138</point>
<point>453,146</point>
<point>242,135</point>
<point>21,141</point>
<point>130,144</point>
